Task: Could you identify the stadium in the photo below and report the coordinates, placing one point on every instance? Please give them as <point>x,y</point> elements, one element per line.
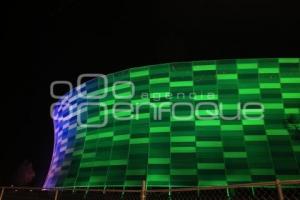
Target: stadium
<point>117,130</point>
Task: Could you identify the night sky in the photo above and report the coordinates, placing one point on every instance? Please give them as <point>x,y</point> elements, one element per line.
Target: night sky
<point>45,40</point>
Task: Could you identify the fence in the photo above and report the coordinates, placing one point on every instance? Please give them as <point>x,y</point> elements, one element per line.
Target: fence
<point>287,190</point>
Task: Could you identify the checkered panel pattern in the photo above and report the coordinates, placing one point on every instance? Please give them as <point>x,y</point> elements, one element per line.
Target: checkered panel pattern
<point>179,149</point>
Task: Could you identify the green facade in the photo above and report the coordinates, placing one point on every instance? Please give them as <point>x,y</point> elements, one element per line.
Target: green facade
<point>172,152</point>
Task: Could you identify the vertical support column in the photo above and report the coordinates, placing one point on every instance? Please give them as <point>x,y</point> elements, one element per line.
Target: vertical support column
<point>56,194</point>
<point>228,193</point>
<point>143,192</point>
<point>279,189</point>
<point>2,193</point>
<point>253,191</point>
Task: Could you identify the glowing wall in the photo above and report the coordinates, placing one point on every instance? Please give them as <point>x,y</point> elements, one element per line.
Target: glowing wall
<point>170,152</point>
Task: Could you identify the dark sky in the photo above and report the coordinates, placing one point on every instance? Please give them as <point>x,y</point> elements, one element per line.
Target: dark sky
<point>53,40</point>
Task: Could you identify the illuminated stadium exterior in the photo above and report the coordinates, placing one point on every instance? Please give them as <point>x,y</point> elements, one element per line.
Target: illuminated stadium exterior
<point>202,123</point>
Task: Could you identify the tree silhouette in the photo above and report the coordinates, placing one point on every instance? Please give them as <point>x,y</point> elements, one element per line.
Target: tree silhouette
<point>24,174</point>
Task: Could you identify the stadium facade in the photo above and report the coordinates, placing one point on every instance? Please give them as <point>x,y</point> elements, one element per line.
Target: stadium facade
<point>202,123</point>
